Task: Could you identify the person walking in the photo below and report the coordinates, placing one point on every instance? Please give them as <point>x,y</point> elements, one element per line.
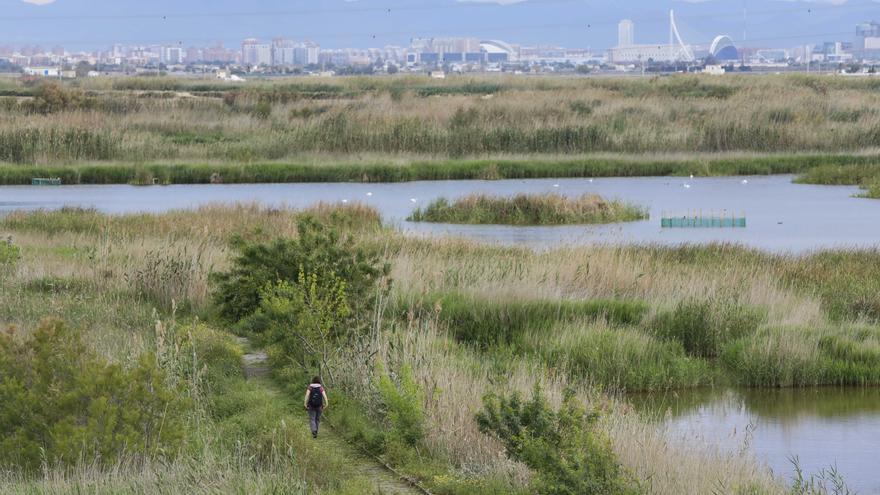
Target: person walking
<point>315,402</point>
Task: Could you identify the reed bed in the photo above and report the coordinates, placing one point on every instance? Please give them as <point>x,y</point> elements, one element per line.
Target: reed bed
<point>529,209</point>
<point>157,121</point>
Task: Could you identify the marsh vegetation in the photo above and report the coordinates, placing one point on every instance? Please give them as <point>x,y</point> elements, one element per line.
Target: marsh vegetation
<point>428,326</point>
<point>528,209</point>
<point>405,128</point>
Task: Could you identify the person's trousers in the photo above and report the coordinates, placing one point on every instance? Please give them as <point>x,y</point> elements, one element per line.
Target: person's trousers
<point>314,419</point>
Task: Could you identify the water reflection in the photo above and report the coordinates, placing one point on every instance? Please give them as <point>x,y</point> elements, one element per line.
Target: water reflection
<point>822,426</point>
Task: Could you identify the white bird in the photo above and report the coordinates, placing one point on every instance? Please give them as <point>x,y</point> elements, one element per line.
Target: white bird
<point>555,185</point>
<point>591,180</point>
<point>369,194</point>
<point>344,201</point>
<point>744,181</point>
<point>687,186</point>
<point>692,176</point>
<point>412,200</point>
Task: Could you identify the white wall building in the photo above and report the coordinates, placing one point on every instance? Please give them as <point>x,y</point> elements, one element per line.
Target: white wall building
<point>255,53</point>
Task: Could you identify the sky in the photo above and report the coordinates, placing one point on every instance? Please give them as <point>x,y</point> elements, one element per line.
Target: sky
<point>95,24</point>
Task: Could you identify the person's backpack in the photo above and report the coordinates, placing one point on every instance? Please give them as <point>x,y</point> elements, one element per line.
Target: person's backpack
<point>316,399</point>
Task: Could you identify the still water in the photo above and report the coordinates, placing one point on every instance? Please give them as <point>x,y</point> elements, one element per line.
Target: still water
<point>823,427</point>
<point>782,216</point>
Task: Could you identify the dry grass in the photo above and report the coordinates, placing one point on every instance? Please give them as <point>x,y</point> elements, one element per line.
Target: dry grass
<point>411,116</point>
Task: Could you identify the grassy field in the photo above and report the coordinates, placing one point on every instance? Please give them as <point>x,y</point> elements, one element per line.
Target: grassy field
<point>465,318</point>
<point>405,128</point>
<point>524,209</point>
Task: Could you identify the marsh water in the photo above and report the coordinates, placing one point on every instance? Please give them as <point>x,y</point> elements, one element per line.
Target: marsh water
<point>781,216</point>
<point>823,427</point>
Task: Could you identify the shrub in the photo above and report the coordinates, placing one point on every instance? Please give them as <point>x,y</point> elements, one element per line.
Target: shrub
<point>60,402</point>
<point>9,253</point>
<point>309,319</point>
<point>404,403</point>
<point>704,327</point>
<point>565,449</point>
<point>318,249</point>
<point>51,97</point>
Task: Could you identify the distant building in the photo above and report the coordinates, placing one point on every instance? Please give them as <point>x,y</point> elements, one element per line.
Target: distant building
<point>255,53</point>
<point>626,33</point>
<point>643,53</point>
<point>49,72</point>
<point>171,55</point>
<point>723,49</point>
<point>867,45</point>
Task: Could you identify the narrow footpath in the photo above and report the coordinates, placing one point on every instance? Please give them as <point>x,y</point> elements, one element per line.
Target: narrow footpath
<point>385,481</point>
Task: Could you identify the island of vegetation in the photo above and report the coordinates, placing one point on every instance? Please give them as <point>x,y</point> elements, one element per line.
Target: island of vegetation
<point>528,209</point>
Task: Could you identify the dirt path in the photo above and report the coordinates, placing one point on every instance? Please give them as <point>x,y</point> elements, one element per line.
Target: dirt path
<point>385,481</point>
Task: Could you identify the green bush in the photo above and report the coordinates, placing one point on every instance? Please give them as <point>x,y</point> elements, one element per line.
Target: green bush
<point>309,320</point>
<point>704,327</point>
<point>60,402</point>
<point>404,403</point>
<point>318,249</point>
<point>565,449</point>
<point>9,253</point>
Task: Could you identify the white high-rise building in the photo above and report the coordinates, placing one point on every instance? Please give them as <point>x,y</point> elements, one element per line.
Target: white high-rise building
<point>626,33</point>
<point>255,53</point>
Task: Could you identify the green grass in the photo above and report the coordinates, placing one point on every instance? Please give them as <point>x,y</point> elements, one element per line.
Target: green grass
<point>803,357</point>
<point>485,322</point>
<point>620,359</point>
<point>412,170</point>
<point>865,175</point>
<point>524,209</point>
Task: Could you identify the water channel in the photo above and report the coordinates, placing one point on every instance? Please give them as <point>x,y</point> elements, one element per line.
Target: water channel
<point>823,427</point>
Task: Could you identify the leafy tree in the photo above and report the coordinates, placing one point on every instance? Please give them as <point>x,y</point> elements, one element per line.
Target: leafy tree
<point>318,249</point>
<point>568,453</point>
<point>60,402</point>
<point>310,319</point>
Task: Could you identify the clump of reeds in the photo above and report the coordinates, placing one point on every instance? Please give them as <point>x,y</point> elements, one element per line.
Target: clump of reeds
<point>529,209</point>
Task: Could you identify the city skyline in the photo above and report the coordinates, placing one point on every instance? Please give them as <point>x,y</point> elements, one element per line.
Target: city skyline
<point>87,26</point>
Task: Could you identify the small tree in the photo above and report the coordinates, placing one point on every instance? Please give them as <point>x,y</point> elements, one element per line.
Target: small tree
<point>309,319</point>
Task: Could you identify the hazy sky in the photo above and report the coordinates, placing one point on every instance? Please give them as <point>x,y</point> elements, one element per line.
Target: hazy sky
<point>89,24</point>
